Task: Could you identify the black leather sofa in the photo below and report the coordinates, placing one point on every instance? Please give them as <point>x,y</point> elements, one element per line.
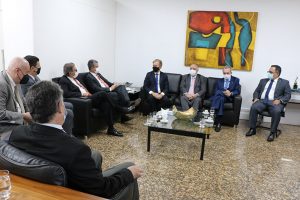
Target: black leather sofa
<point>231,112</point>
<point>87,119</point>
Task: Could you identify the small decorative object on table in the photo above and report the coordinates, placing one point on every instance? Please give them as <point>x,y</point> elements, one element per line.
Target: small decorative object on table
<point>295,86</point>
<point>186,115</point>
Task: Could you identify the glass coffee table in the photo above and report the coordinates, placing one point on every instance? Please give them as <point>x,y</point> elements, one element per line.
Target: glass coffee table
<point>179,127</point>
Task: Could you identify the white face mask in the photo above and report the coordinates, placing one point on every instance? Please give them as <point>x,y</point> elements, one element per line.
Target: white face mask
<point>227,76</point>
<point>193,72</point>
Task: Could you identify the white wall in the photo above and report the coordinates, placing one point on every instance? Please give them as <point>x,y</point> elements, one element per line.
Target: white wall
<point>74,31</point>
<point>151,29</point>
<point>17,28</point>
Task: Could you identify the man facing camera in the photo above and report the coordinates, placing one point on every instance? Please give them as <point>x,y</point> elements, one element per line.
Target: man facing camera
<point>47,139</point>
<point>156,85</point>
<point>272,93</point>
<point>95,82</point>
<point>192,89</point>
<point>225,90</point>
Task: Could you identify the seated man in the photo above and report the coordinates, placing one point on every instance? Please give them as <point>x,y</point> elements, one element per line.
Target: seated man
<point>192,89</point>
<point>13,110</point>
<point>156,85</point>
<point>72,87</point>
<point>272,93</point>
<point>47,139</point>
<point>35,69</point>
<point>95,82</point>
<point>226,88</point>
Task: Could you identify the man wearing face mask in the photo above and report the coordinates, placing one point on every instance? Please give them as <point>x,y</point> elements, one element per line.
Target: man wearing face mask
<point>192,89</point>
<point>35,69</point>
<point>13,110</point>
<point>225,90</point>
<point>156,85</point>
<point>272,93</point>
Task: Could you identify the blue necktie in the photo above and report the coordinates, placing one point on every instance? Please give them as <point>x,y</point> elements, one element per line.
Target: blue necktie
<point>226,84</point>
<point>156,82</point>
<point>268,91</point>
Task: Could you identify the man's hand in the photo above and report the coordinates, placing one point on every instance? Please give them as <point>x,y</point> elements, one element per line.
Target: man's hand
<point>114,86</point>
<point>255,100</point>
<point>27,117</point>
<point>87,94</point>
<point>136,171</point>
<point>156,95</point>
<point>189,96</point>
<point>227,93</point>
<point>276,102</point>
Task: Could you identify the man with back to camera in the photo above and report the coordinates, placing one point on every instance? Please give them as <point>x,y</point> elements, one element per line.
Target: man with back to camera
<point>225,90</point>
<point>95,82</point>
<point>156,85</point>
<point>272,93</point>
<point>192,89</point>
<point>13,109</point>
<point>46,139</point>
<point>35,69</point>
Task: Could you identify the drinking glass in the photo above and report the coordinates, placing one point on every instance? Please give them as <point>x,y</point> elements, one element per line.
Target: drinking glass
<point>212,112</point>
<point>5,185</point>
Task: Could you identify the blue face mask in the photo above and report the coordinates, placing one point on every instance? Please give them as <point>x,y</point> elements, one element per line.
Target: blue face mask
<point>270,76</point>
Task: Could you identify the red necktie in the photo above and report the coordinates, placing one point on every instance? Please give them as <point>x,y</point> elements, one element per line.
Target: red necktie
<point>103,82</point>
<point>80,85</point>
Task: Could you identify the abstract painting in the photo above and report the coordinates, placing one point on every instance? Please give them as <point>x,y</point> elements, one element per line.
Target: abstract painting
<point>215,39</point>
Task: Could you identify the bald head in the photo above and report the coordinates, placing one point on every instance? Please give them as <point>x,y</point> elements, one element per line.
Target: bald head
<point>18,68</point>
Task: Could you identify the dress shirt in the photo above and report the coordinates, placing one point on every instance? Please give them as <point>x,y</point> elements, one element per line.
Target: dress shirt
<point>158,79</point>
<point>97,77</point>
<point>272,91</point>
<point>192,85</point>
<point>57,126</point>
<point>225,81</point>
<point>13,85</point>
<point>82,90</point>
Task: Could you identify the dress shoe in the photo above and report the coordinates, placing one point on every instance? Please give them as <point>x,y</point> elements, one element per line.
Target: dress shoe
<point>114,132</point>
<point>126,110</point>
<point>251,132</point>
<point>271,137</point>
<point>125,118</point>
<point>218,127</point>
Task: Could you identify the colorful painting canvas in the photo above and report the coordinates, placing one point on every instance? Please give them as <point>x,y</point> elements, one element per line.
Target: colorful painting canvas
<point>216,39</point>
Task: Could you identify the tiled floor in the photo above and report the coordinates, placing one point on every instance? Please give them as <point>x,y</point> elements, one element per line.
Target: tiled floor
<point>234,167</point>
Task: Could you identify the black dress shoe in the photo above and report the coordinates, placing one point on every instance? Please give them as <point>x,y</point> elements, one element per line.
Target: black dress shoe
<point>251,132</point>
<point>126,110</point>
<point>125,118</point>
<point>114,132</point>
<point>271,137</point>
<point>218,127</point>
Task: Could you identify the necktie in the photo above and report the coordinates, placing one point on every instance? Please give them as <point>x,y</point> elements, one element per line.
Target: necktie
<point>156,82</point>
<point>19,100</point>
<point>192,86</point>
<point>268,91</point>
<point>102,82</point>
<point>80,85</point>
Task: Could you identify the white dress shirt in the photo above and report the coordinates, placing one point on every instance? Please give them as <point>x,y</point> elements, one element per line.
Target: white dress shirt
<point>272,91</point>
<point>82,90</point>
<point>158,79</point>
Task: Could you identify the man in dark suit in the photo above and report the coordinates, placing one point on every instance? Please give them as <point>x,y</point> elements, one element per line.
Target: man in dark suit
<point>156,85</point>
<point>35,69</point>
<point>47,139</point>
<point>95,82</point>
<point>72,87</point>
<point>225,89</point>
<point>192,89</point>
<point>13,109</point>
<point>272,93</point>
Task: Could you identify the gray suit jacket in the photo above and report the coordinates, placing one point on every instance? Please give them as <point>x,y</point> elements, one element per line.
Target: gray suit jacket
<point>31,82</point>
<point>8,110</point>
<point>282,90</point>
<point>200,85</point>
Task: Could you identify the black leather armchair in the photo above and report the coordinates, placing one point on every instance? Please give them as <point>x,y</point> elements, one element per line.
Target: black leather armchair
<point>87,119</point>
<point>23,164</point>
<point>232,111</point>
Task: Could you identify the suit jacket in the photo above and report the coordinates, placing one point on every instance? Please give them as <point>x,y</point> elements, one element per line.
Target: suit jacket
<point>234,86</point>
<point>199,87</point>
<point>9,114</point>
<point>93,84</point>
<point>70,90</point>
<point>73,155</point>
<point>31,82</point>
<point>282,90</point>
<point>149,82</point>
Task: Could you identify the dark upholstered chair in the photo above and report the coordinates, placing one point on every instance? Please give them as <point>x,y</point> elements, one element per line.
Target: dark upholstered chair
<point>23,164</point>
<point>174,87</point>
<point>232,111</point>
<point>87,119</point>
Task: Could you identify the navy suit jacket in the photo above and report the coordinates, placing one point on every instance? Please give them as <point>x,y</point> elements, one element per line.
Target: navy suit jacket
<point>282,90</point>
<point>234,86</point>
<point>93,84</point>
<point>149,82</point>
<point>73,155</point>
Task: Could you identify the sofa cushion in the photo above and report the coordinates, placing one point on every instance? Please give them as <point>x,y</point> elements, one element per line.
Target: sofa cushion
<point>174,82</point>
<point>23,164</point>
<point>211,84</point>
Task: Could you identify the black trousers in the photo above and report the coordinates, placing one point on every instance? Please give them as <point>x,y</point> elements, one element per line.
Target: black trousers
<point>157,104</point>
<point>274,110</point>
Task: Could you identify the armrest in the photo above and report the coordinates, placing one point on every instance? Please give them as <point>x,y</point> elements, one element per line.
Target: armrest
<point>23,164</point>
<point>237,104</point>
<point>81,106</point>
